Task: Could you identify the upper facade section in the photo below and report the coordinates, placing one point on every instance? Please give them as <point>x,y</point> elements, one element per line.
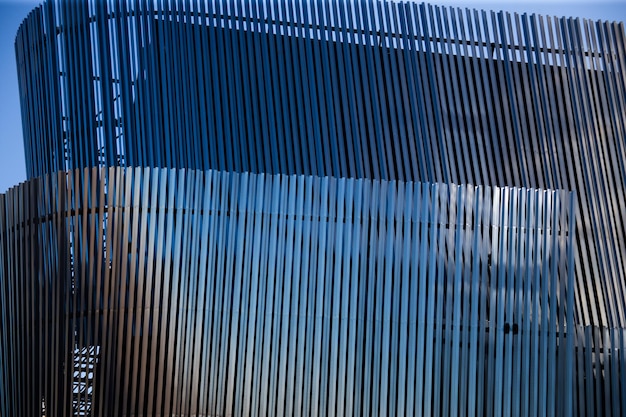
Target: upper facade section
<point>370,89</point>
<point>366,89</point>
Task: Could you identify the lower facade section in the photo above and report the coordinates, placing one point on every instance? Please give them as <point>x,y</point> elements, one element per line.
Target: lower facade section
<point>158,292</point>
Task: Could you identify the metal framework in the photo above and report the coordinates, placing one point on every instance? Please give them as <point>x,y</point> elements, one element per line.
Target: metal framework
<point>213,293</point>
<point>295,93</point>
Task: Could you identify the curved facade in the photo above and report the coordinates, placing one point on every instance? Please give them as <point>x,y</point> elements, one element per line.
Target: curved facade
<point>212,293</point>
<point>310,92</point>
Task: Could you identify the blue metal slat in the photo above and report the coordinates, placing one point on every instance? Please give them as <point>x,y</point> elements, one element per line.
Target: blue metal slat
<point>442,96</point>
<point>250,269</point>
<point>441,199</point>
<point>345,300</point>
<point>428,299</point>
<point>223,181</point>
<point>239,204</point>
<point>447,284</point>
<point>282,296</point>
<point>403,320</point>
<point>356,280</point>
<point>335,299</point>
<point>459,130</point>
<point>324,76</point>
<point>442,151</point>
<point>392,120</point>
<point>454,321</point>
<point>526,124</point>
<point>310,101</point>
<point>309,251</point>
<point>326,297</point>
<point>286,368</point>
<point>284,95</point>
<point>373,72</point>
<point>468,148</point>
<point>230,105</point>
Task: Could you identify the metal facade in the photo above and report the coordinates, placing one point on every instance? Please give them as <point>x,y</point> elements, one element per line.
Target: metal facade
<point>321,91</point>
<point>160,292</point>
<point>375,90</point>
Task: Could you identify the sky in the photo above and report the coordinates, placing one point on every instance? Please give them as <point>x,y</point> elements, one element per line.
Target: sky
<point>12,12</point>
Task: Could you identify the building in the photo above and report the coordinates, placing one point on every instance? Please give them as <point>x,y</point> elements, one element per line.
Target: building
<point>315,208</point>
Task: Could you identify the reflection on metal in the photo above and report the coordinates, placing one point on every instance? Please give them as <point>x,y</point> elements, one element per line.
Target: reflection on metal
<point>177,292</point>
<point>370,90</point>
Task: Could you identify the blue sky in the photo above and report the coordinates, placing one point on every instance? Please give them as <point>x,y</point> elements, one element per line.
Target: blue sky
<point>12,170</point>
<point>12,12</point>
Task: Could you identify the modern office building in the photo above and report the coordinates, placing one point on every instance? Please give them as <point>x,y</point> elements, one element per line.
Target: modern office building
<point>315,208</point>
